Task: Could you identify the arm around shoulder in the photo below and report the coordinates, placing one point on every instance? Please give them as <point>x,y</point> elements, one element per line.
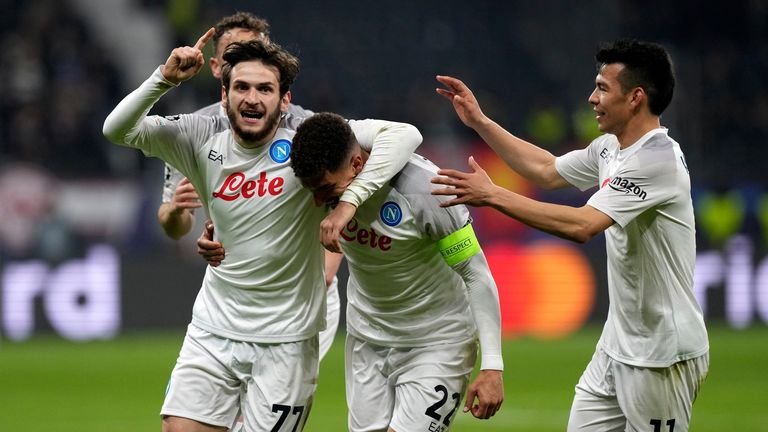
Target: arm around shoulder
<point>390,144</point>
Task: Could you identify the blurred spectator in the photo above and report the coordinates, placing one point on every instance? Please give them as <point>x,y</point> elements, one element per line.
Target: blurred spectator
<point>57,86</point>
<point>31,226</point>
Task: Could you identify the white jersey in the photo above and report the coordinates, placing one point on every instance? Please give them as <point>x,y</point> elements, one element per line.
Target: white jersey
<point>271,287</point>
<point>401,291</point>
<point>291,120</point>
<point>654,319</point>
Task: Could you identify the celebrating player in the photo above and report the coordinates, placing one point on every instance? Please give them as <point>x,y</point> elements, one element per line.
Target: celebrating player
<point>420,291</point>
<point>653,353</point>
<point>252,342</point>
<point>176,212</point>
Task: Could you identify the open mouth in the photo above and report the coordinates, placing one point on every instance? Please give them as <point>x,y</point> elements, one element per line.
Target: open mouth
<point>599,114</point>
<point>252,115</point>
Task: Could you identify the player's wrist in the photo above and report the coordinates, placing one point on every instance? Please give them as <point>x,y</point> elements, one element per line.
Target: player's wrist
<point>491,362</point>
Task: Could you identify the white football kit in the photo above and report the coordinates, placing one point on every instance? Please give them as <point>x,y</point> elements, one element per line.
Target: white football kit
<point>654,321</point>
<point>270,291</point>
<point>413,320</point>
<point>291,119</point>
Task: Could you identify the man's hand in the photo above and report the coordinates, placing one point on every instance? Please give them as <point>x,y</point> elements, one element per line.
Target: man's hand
<point>211,251</point>
<point>331,226</point>
<point>186,62</point>
<point>488,388</point>
<point>185,197</point>
<point>463,100</point>
<point>176,216</point>
<point>473,188</point>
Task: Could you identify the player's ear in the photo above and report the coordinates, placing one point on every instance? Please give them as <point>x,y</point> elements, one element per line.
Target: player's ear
<point>285,101</point>
<point>357,163</point>
<point>637,97</point>
<point>224,102</point>
<point>213,62</point>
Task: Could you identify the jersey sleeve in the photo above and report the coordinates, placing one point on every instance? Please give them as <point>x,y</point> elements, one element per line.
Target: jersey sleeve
<point>171,179</point>
<point>390,145</point>
<point>296,115</point>
<point>483,299</point>
<point>580,167</point>
<point>451,228</point>
<point>440,222</point>
<point>173,139</point>
<point>211,110</point>
<point>646,180</point>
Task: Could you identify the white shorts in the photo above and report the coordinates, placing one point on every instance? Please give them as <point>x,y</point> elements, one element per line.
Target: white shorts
<point>613,396</point>
<point>407,389</point>
<point>215,378</point>
<point>332,312</point>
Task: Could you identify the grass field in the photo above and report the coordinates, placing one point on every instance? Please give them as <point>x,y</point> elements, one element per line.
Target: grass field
<point>50,385</point>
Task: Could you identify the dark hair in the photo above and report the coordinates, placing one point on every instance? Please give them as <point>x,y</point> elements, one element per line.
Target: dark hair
<point>321,144</point>
<point>242,20</point>
<point>269,53</point>
<point>647,65</point>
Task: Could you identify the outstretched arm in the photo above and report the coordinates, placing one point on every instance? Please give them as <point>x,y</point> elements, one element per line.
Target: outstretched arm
<point>533,163</point>
<point>477,189</point>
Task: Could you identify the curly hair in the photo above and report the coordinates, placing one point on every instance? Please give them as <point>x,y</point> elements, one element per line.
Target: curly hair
<point>647,65</point>
<point>269,53</point>
<point>321,144</point>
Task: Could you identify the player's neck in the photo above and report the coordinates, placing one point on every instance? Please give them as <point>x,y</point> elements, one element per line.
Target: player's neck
<point>254,144</point>
<point>636,128</point>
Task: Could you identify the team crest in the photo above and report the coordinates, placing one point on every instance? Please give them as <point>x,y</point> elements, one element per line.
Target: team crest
<point>391,213</point>
<point>280,150</point>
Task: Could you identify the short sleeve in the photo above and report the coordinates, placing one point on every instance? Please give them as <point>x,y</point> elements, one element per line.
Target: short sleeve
<point>646,180</point>
<point>580,167</point>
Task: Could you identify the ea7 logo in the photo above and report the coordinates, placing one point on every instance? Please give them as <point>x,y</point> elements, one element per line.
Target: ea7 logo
<point>621,184</point>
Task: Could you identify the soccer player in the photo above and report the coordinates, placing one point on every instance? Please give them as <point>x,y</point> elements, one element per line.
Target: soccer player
<point>176,212</point>
<point>653,353</point>
<point>252,342</point>
<point>420,291</point>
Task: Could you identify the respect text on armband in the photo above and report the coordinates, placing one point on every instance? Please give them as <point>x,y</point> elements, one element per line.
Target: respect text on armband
<point>456,248</point>
<point>459,245</point>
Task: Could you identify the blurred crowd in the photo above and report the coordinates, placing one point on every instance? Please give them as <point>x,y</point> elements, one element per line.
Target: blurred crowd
<point>57,85</point>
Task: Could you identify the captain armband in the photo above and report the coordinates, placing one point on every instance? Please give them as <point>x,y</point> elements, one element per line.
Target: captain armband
<point>459,246</point>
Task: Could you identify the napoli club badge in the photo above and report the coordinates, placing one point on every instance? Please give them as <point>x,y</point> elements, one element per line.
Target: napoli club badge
<point>280,150</point>
<point>391,213</point>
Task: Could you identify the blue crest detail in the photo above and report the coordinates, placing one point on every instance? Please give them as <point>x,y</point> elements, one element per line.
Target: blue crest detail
<point>391,213</point>
<point>280,150</point>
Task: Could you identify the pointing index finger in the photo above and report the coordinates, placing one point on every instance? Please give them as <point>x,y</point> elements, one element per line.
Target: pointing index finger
<point>205,38</point>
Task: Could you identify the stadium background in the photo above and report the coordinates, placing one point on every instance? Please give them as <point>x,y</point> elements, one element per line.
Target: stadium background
<point>94,299</point>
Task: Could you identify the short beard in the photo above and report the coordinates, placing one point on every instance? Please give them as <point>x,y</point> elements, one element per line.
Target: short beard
<point>271,121</point>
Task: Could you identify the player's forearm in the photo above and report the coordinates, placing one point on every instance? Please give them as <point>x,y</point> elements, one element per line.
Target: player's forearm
<point>123,122</point>
<point>393,146</point>
<point>484,301</point>
<point>332,264</point>
<point>530,161</point>
<point>175,222</point>
<point>567,222</point>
